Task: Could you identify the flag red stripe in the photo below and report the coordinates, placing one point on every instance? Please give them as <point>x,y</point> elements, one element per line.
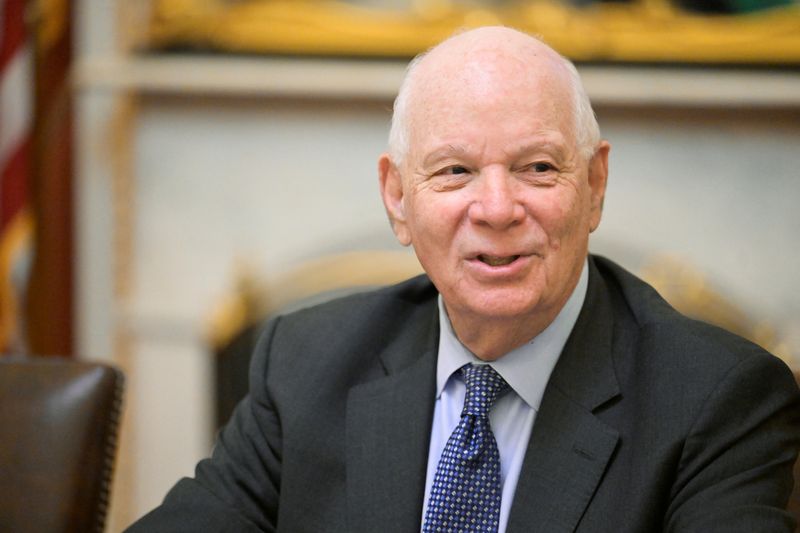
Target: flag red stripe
<point>14,182</point>
<point>13,35</point>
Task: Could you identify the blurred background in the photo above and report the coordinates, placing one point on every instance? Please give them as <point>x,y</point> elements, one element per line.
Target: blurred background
<point>171,167</point>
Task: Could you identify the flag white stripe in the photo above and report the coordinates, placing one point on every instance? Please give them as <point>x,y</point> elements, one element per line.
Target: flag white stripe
<point>16,88</point>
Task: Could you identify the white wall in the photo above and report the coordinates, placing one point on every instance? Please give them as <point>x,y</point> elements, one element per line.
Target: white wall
<point>719,188</point>
<point>277,181</point>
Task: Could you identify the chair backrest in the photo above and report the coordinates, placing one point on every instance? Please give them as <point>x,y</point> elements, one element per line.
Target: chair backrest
<point>58,427</point>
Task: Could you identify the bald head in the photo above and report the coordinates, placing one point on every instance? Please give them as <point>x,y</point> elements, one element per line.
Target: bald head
<point>480,64</point>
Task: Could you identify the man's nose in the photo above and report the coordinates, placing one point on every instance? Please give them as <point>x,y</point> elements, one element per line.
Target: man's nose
<point>496,204</point>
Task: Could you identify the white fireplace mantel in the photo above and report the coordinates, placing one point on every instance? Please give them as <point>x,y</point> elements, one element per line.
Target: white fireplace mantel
<point>238,76</point>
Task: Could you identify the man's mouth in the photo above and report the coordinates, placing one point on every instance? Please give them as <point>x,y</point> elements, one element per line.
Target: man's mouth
<point>497,261</point>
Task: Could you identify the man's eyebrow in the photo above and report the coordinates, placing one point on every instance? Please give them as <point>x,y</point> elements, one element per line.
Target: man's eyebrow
<point>556,147</point>
<point>448,150</point>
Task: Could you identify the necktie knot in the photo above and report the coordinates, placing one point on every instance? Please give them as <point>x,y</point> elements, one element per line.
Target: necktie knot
<point>484,386</point>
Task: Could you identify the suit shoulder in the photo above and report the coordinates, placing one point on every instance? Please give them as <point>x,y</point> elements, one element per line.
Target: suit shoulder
<point>358,324</point>
<point>358,303</point>
<point>664,331</point>
<point>314,354</point>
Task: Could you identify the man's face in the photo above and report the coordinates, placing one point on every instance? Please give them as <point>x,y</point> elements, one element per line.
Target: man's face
<point>493,194</point>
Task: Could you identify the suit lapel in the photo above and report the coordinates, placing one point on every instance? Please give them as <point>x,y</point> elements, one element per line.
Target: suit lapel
<point>388,433</point>
<point>570,447</point>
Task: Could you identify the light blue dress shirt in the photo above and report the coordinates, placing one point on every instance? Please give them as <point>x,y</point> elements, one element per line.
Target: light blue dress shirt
<point>526,369</point>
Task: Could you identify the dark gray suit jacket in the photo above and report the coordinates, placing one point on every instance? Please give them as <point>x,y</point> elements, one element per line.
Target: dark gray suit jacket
<point>650,422</point>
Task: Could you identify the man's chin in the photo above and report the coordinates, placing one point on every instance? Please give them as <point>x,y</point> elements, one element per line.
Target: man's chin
<point>497,304</point>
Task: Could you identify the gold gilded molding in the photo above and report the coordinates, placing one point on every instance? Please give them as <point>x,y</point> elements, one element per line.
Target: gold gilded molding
<point>641,31</point>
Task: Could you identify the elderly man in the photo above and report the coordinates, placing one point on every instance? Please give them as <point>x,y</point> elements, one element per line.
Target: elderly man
<point>522,385</point>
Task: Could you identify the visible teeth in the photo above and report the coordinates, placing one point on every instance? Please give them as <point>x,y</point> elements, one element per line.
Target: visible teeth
<point>497,261</point>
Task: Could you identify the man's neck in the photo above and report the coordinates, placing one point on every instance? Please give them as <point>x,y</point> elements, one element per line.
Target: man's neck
<point>489,339</point>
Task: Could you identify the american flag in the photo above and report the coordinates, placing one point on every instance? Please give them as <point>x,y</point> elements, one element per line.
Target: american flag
<point>16,120</point>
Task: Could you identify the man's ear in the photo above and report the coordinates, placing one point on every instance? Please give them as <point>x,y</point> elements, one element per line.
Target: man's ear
<point>392,193</point>
<point>598,177</point>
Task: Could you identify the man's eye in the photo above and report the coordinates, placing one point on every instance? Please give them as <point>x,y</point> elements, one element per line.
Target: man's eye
<point>452,171</point>
<point>541,167</point>
<point>456,170</point>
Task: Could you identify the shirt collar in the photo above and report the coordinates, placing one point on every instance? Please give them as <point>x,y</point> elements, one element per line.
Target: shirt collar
<point>526,369</point>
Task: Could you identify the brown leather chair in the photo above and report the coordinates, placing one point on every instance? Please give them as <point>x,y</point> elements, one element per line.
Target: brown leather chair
<point>58,427</point>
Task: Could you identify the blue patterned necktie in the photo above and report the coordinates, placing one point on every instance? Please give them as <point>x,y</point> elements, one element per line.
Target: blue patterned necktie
<point>465,495</point>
